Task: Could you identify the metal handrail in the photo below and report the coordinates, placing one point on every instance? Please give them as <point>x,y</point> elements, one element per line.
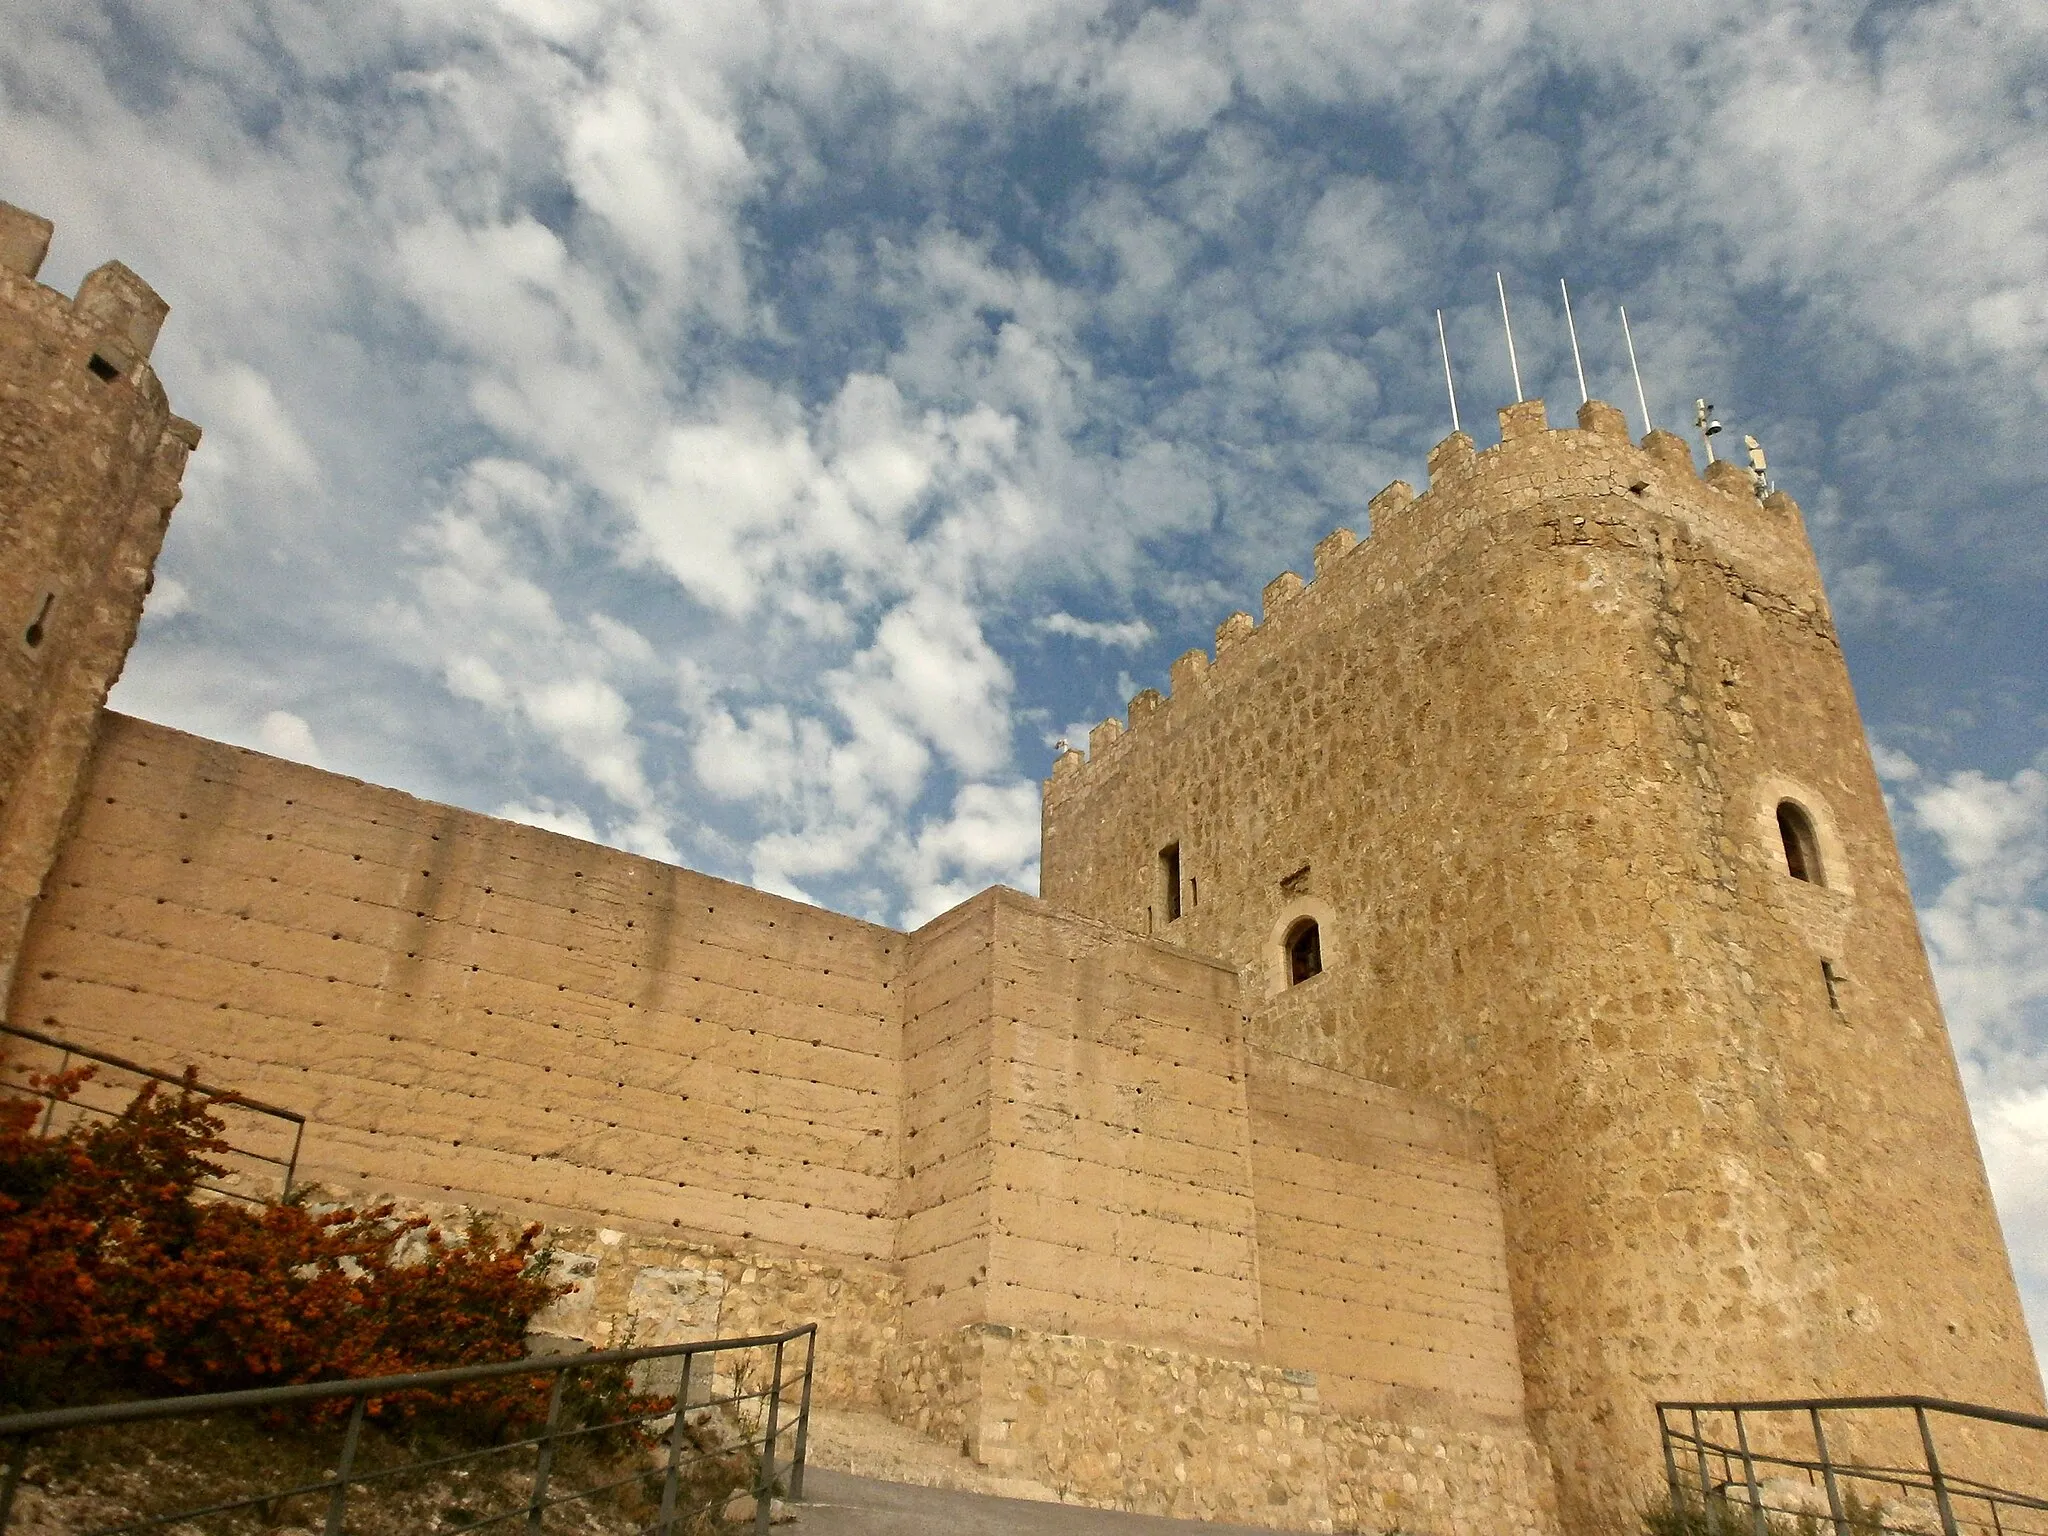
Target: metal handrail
<point>1741,1460</point>
<point>18,1431</point>
<point>229,1096</point>
<point>1829,1404</point>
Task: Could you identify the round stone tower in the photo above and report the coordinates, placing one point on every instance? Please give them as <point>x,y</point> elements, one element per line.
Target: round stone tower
<point>1564,767</point>
<point>90,459</point>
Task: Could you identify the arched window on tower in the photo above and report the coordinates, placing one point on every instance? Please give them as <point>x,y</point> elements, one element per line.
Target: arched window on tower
<point>1304,952</point>
<point>1802,845</point>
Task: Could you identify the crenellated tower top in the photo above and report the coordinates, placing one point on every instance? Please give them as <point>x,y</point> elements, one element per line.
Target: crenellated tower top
<point>1532,460</point>
<point>90,463</point>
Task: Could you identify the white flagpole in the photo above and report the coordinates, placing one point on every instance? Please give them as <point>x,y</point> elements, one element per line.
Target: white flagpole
<point>1514,366</point>
<point>1568,325</point>
<point>1449,387</point>
<point>1641,399</point>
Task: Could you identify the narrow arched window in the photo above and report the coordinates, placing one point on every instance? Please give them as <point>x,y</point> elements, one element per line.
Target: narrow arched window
<point>1304,952</point>
<point>1802,846</point>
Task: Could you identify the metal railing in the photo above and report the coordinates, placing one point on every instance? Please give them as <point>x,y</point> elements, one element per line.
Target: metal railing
<point>225,1098</point>
<point>1861,1465</point>
<point>729,1412</point>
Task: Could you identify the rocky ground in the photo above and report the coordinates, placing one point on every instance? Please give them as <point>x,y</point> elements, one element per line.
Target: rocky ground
<point>104,1479</point>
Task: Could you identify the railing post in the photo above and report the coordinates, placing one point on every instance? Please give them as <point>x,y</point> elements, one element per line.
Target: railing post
<point>677,1433</point>
<point>1756,1494</point>
<point>338,1500</point>
<point>803,1417</point>
<point>17,1463</point>
<point>764,1500</point>
<point>1827,1472</point>
<point>291,1168</point>
<point>1948,1515</point>
<point>1699,1445</point>
<point>544,1465</point>
<point>1670,1466</point>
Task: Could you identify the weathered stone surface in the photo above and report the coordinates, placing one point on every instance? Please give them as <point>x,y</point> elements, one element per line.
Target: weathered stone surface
<point>1522,751</point>
<point>90,459</point>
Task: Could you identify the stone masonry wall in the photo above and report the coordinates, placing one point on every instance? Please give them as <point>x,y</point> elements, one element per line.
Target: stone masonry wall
<point>1167,1432</point>
<point>470,1009</point>
<point>90,459</point>
<point>1495,751</point>
<point>1391,1476</point>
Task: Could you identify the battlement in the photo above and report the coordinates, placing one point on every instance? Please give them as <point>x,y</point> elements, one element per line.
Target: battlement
<point>1408,533</point>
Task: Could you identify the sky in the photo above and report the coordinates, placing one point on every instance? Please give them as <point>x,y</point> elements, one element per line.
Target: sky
<point>750,433</point>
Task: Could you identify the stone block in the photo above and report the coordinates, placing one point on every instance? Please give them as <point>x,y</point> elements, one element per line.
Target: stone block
<point>24,240</point>
<point>114,297</point>
<point>1525,418</point>
<point>1599,417</point>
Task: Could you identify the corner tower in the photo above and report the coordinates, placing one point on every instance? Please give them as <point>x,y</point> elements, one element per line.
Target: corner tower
<point>90,459</point>
<point>1564,767</point>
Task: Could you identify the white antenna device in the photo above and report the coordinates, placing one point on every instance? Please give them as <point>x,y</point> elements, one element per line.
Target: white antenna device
<point>1641,399</point>
<point>1513,366</point>
<point>1703,418</point>
<point>1449,388</point>
<point>1568,325</point>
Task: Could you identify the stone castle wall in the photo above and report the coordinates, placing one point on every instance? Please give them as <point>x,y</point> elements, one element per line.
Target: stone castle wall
<point>90,459</point>
<point>1592,1101</point>
<point>1518,753</point>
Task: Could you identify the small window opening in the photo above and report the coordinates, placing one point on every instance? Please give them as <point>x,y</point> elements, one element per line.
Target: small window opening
<point>1169,879</point>
<point>1304,952</point>
<point>102,369</point>
<point>1194,892</point>
<point>1802,847</point>
<point>33,635</point>
<point>1833,979</point>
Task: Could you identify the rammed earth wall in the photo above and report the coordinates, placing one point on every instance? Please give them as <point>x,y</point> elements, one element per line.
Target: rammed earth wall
<point>1020,1166</point>
<point>469,1008</point>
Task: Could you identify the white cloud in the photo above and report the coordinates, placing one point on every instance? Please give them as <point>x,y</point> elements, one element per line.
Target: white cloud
<point>1128,635</point>
<point>251,438</point>
<point>2013,1129</point>
<point>569,820</point>
<point>1987,935</point>
<point>990,838</point>
<point>283,734</point>
<point>168,598</point>
<point>1893,766</point>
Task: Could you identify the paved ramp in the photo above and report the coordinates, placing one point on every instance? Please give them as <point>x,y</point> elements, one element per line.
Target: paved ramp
<point>839,1504</point>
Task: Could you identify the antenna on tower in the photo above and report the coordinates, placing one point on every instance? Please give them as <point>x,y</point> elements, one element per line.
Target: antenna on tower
<point>1641,399</point>
<point>1759,469</point>
<point>1703,418</point>
<point>1513,366</point>
<point>1568,325</point>
<point>1449,388</point>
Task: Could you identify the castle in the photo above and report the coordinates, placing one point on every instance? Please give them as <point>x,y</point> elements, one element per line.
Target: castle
<point>1482,999</point>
